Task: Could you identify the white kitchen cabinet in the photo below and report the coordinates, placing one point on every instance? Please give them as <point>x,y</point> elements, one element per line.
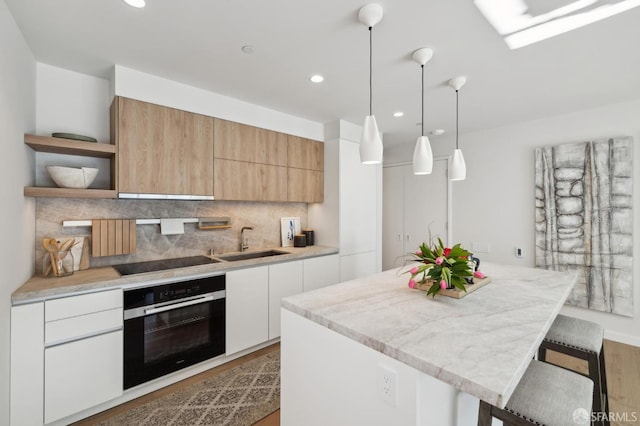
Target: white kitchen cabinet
<point>414,207</point>
<point>247,309</point>
<point>350,217</point>
<point>27,364</point>
<point>285,279</point>
<point>81,374</point>
<point>321,272</point>
<point>82,352</point>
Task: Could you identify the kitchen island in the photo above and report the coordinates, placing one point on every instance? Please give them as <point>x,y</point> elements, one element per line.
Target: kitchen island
<point>373,351</point>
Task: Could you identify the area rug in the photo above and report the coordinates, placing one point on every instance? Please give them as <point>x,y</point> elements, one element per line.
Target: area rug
<point>237,397</point>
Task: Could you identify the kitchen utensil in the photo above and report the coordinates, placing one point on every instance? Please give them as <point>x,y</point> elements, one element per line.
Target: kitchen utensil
<point>113,237</point>
<point>58,261</point>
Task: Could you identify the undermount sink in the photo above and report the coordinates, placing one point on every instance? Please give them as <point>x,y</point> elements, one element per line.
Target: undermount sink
<point>250,255</point>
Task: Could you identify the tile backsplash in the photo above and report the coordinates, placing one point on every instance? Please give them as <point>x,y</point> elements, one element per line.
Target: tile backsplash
<point>151,244</point>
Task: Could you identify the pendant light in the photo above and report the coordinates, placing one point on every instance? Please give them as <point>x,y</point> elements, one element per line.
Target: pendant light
<point>422,155</point>
<point>370,142</point>
<point>458,167</point>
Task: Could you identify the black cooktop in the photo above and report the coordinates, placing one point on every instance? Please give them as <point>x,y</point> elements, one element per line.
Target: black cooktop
<point>162,264</point>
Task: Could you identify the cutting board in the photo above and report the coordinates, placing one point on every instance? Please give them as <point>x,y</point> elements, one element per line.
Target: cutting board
<point>113,237</point>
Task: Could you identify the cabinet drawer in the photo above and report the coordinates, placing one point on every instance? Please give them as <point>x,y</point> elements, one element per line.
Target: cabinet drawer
<point>81,375</point>
<point>80,327</point>
<point>74,306</point>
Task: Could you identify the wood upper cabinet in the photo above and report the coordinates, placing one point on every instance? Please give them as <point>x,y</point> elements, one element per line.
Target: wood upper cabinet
<point>250,163</point>
<point>239,180</point>
<point>162,150</point>
<point>305,153</point>
<point>239,142</point>
<point>305,175</point>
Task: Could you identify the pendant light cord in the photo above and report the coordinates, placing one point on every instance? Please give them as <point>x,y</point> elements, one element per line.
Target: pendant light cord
<point>422,114</point>
<point>370,71</point>
<point>456,119</point>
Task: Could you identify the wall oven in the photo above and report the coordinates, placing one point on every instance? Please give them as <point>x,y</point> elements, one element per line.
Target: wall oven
<point>171,326</point>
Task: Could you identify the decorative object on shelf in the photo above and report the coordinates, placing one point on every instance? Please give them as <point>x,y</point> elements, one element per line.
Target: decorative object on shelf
<point>370,142</point>
<point>74,137</point>
<point>310,235</point>
<point>72,177</point>
<point>300,240</point>
<point>442,268</point>
<point>59,260</point>
<point>289,228</point>
<point>458,167</point>
<point>422,155</point>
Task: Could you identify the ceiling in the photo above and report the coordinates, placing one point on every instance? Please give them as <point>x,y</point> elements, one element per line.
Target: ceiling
<point>198,42</point>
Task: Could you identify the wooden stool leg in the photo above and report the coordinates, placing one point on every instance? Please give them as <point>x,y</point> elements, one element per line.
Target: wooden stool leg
<point>542,352</point>
<point>594,374</point>
<point>603,380</point>
<point>484,414</point>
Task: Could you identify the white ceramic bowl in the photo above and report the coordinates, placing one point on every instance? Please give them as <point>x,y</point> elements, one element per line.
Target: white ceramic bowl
<point>72,177</point>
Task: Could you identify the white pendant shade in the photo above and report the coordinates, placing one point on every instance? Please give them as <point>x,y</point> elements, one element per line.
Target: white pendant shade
<point>422,157</point>
<point>458,167</point>
<point>370,143</point>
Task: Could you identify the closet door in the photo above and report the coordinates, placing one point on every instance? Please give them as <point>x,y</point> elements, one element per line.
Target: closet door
<point>413,206</point>
<point>426,204</point>
<point>392,216</point>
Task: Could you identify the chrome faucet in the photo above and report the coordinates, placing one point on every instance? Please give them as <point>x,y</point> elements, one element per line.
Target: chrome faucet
<point>244,242</point>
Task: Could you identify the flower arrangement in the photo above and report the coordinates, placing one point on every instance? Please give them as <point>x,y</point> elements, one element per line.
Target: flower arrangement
<point>444,267</point>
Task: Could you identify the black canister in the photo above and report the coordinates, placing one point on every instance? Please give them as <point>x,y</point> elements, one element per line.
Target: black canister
<point>310,236</point>
<point>299,240</point>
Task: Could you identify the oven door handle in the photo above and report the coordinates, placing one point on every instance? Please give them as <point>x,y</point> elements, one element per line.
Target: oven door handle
<point>179,305</point>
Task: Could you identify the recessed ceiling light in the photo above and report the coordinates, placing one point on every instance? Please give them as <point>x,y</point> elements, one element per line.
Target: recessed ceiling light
<point>247,48</point>
<point>317,78</point>
<point>398,114</point>
<point>437,132</point>
<point>135,3</point>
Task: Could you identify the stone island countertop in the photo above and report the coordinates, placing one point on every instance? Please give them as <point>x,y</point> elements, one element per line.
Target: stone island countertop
<point>97,279</point>
<point>480,344</point>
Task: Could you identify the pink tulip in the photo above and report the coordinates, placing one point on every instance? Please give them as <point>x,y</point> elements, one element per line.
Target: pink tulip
<point>414,270</point>
<point>418,252</point>
<point>412,283</point>
<point>479,274</point>
<point>443,284</point>
<point>439,260</point>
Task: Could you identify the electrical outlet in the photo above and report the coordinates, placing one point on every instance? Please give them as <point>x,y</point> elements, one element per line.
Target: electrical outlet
<point>480,248</point>
<point>387,384</point>
<point>519,252</point>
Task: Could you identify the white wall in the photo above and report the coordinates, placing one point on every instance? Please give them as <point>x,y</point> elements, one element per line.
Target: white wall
<point>71,102</point>
<point>17,116</point>
<point>495,204</point>
<point>150,88</point>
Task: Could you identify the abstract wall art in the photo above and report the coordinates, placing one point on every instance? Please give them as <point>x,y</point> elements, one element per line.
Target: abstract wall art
<point>584,221</point>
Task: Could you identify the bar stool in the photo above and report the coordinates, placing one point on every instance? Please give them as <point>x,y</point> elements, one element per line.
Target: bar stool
<point>546,395</point>
<point>584,340</point>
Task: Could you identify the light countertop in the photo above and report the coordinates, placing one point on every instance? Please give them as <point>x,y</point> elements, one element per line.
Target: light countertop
<point>480,344</point>
<point>98,279</point>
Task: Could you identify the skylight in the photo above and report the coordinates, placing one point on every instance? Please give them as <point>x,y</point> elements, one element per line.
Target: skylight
<point>522,24</point>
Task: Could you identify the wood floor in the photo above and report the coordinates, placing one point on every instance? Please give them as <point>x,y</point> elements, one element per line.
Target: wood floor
<point>623,380</point>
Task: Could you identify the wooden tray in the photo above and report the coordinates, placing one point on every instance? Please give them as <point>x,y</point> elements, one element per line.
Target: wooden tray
<point>454,292</point>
